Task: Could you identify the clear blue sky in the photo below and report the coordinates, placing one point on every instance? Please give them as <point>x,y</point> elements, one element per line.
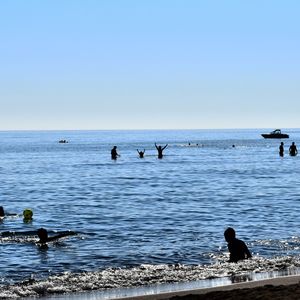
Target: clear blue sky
<point>147,64</point>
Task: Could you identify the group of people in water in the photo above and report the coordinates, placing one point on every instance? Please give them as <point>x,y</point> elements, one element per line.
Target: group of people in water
<point>42,233</point>
<point>160,149</point>
<point>292,150</point>
<point>238,250</point>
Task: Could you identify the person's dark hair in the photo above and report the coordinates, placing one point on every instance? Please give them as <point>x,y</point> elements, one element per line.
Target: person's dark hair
<point>42,234</point>
<point>1,211</point>
<point>229,234</point>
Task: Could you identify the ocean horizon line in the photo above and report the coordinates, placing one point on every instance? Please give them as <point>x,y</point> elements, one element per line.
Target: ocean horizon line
<point>149,129</point>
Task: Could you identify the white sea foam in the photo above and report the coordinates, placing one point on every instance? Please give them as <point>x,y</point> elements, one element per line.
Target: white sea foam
<point>143,275</point>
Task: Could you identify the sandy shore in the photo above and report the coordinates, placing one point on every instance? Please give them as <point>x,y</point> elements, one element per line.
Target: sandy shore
<point>282,288</point>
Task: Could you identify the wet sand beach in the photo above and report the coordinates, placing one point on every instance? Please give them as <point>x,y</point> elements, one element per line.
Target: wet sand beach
<point>283,288</point>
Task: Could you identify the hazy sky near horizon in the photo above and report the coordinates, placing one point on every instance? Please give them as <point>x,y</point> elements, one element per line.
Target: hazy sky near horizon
<point>159,64</point>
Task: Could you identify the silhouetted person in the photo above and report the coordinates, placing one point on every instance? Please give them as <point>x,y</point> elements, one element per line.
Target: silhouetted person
<point>3,213</point>
<point>114,153</point>
<point>160,150</point>
<point>43,235</point>
<point>293,150</point>
<point>141,153</point>
<point>237,248</point>
<point>281,149</point>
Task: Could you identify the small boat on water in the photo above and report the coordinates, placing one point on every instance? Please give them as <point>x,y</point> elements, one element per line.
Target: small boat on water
<point>276,134</point>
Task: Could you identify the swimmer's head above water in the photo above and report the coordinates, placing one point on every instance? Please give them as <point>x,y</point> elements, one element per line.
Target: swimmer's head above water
<point>44,238</point>
<point>27,214</point>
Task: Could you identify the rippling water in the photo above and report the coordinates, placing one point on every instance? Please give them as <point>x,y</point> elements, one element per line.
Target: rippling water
<point>136,211</point>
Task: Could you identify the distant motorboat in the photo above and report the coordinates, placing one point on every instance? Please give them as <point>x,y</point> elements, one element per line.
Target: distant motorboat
<point>276,134</point>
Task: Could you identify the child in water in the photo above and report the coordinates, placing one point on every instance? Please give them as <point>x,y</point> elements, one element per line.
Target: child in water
<point>237,248</point>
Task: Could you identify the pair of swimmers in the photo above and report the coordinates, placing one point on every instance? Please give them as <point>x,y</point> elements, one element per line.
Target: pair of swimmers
<point>42,233</point>
<point>27,214</point>
<point>237,248</point>
<point>293,151</point>
<point>160,149</point>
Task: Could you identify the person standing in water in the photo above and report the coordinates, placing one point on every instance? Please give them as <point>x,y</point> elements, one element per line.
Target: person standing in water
<point>114,153</point>
<point>237,248</point>
<point>293,150</point>
<point>281,149</point>
<point>160,150</point>
<point>141,153</point>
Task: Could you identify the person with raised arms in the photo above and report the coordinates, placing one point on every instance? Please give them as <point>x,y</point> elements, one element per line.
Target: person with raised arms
<point>141,153</point>
<point>160,150</point>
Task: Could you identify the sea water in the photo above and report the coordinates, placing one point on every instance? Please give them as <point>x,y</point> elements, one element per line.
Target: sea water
<point>144,221</point>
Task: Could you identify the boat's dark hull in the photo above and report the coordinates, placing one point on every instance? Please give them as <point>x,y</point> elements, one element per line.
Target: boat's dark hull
<point>275,136</point>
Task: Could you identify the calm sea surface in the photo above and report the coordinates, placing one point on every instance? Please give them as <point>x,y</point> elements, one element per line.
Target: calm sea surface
<point>133,211</point>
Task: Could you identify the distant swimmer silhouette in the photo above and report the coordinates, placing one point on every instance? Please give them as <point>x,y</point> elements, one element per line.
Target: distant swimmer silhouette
<point>237,248</point>
<point>4,214</point>
<point>141,153</point>
<point>114,153</point>
<point>160,150</point>
<point>281,149</point>
<point>293,150</point>
<point>44,238</point>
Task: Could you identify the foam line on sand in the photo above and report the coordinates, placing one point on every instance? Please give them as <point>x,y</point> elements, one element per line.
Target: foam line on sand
<point>253,287</point>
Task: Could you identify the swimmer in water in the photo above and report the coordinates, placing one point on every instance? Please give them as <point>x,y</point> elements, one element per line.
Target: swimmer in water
<point>114,153</point>
<point>4,214</point>
<point>44,238</point>
<point>27,215</point>
<point>281,149</point>
<point>141,153</point>
<point>293,149</point>
<point>160,150</point>
<point>237,248</point>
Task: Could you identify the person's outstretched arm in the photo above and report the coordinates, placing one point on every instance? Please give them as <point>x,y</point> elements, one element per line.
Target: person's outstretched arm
<point>61,235</point>
<point>165,147</point>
